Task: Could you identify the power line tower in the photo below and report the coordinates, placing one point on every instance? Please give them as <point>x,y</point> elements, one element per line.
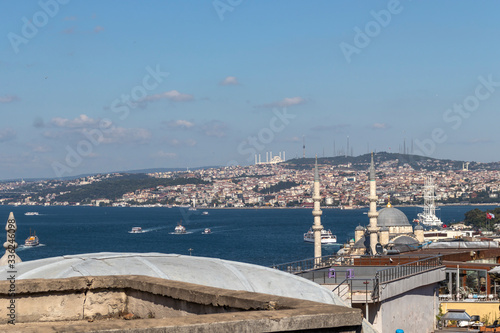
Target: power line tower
<point>303,147</point>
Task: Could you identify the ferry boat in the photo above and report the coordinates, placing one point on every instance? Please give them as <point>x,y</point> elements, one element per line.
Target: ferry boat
<point>136,230</point>
<point>31,213</point>
<point>206,231</point>
<point>326,237</point>
<point>180,229</point>
<point>32,240</point>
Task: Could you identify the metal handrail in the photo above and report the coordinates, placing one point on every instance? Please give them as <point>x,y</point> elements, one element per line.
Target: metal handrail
<point>341,283</point>
<point>305,265</point>
<point>397,272</point>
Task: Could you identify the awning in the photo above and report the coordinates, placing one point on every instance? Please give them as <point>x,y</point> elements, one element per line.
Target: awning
<point>495,270</point>
<point>456,315</point>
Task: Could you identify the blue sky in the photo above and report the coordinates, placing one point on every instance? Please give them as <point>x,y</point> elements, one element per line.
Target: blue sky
<point>97,86</point>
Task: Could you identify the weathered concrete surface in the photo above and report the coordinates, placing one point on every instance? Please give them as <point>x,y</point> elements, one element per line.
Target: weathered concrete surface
<point>163,306</point>
<point>412,305</point>
<point>399,287</point>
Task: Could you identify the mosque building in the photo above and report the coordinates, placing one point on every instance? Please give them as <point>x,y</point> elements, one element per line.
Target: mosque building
<point>388,230</point>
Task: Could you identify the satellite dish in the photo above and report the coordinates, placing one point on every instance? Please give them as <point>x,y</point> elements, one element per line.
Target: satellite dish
<point>379,249</point>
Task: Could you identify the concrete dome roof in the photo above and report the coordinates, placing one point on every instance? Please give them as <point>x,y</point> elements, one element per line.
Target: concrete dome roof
<point>392,217</point>
<point>211,272</point>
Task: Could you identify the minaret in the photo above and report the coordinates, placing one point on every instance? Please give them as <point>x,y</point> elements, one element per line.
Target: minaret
<point>10,257</point>
<point>372,214</point>
<point>317,227</point>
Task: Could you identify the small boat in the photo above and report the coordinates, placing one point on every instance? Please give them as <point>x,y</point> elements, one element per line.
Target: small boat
<point>326,237</point>
<point>180,229</point>
<point>31,213</point>
<point>136,230</point>
<point>32,240</point>
<point>206,231</point>
<point>204,213</point>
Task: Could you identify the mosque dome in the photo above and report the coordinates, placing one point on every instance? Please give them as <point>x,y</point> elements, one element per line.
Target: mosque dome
<point>405,240</point>
<point>418,227</point>
<point>392,217</point>
<point>359,228</point>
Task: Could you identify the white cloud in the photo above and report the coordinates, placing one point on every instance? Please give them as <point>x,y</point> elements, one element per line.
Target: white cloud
<point>82,121</point>
<point>172,95</point>
<point>382,126</point>
<point>8,98</point>
<point>126,135</point>
<point>230,81</point>
<point>7,134</point>
<point>184,124</point>
<point>285,102</point>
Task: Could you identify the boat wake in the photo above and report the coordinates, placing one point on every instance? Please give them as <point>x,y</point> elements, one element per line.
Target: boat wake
<point>181,233</point>
<point>23,247</point>
<point>147,230</point>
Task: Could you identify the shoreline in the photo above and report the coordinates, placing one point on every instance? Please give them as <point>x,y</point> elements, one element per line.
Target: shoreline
<point>260,207</point>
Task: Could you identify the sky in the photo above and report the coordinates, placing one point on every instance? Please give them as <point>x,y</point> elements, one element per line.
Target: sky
<point>100,86</point>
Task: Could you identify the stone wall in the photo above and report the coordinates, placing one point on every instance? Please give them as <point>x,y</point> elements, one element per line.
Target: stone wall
<point>172,305</point>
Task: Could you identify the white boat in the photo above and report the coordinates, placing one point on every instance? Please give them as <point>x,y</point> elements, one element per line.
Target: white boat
<point>136,230</point>
<point>428,216</point>
<point>326,237</point>
<point>32,240</point>
<point>180,229</point>
<point>204,213</point>
<point>206,231</point>
<point>31,213</point>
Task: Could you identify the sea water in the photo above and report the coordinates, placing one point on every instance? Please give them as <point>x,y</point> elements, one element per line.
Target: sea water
<point>257,236</point>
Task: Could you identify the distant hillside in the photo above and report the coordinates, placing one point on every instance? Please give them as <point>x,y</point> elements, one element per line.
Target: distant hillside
<point>116,187</point>
<point>417,162</point>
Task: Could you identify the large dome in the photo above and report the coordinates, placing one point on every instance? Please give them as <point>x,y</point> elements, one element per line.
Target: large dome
<point>211,272</point>
<point>392,217</point>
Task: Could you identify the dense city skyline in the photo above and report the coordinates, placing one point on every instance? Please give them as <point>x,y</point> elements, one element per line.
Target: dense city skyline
<point>90,87</point>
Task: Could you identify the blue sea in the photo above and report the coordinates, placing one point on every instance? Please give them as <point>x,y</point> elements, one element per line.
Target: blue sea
<point>257,236</point>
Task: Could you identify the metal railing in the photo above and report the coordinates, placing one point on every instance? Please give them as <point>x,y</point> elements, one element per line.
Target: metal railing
<point>412,268</point>
<point>305,265</point>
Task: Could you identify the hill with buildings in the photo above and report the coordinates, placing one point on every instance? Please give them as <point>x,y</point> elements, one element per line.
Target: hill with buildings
<point>400,179</point>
